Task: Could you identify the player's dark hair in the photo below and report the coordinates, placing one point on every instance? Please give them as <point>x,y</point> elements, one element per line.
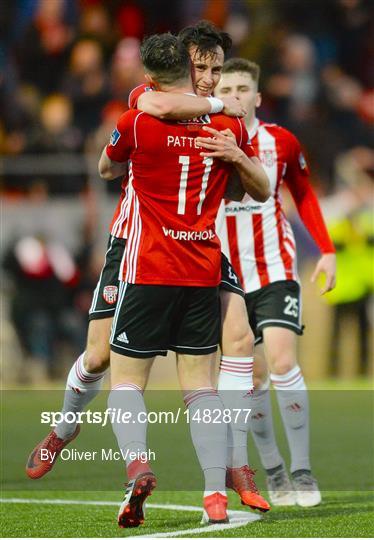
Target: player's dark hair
<point>206,37</point>
<point>235,65</point>
<point>166,58</point>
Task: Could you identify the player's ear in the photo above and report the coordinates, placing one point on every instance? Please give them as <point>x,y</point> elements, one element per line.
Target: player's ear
<point>258,99</point>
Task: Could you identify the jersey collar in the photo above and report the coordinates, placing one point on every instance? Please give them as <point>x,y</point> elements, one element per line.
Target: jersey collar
<point>252,132</point>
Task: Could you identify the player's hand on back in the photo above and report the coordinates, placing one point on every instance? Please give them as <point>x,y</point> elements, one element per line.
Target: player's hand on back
<point>326,265</point>
<point>221,144</point>
<point>232,107</point>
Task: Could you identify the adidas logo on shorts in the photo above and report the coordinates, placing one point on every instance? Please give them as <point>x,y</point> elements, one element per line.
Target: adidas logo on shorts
<point>123,337</point>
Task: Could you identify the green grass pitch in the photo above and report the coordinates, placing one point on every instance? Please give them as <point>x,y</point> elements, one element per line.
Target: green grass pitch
<point>343,514</point>
<point>342,458</point>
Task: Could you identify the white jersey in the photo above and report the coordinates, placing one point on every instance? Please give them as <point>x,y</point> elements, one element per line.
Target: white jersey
<point>256,237</point>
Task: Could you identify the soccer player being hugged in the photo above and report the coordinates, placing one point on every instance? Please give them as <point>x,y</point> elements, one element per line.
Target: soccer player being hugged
<point>258,240</point>
<point>171,271</point>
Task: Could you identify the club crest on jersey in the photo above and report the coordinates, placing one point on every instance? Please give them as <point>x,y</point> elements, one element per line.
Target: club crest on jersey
<point>110,294</point>
<point>268,157</point>
<point>302,161</point>
<point>114,138</point>
<point>197,121</point>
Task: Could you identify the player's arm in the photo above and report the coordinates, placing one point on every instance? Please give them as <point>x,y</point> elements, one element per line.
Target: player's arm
<point>114,157</point>
<point>297,181</point>
<point>109,169</point>
<point>223,145</point>
<point>171,106</point>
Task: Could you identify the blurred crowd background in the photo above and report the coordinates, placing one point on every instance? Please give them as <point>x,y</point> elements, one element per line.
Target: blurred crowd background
<point>66,69</point>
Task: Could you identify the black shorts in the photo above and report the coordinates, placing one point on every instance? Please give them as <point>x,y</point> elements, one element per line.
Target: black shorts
<point>276,304</point>
<point>152,319</point>
<point>105,296</point>
<point>229,280</point>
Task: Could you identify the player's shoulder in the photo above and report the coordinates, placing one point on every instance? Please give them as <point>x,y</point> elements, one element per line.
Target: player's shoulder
<point>224,120</point>
<point>221,121</point>
<point>279,132</point>
<point>128,117</point>
<point>136,93</point>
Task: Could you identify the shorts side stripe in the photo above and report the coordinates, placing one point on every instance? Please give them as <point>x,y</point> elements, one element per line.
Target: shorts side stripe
<point>186,347</point>
<point>156,351</point>
<point>283,321</point>
<point>122,290</point>
<point>231,285</point>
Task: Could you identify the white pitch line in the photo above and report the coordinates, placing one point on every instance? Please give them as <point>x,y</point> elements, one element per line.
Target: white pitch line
<point>239,522</point>
<point>238,517</point>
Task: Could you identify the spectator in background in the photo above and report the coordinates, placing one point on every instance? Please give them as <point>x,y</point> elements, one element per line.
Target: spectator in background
<point>350,223</point>
<point>343,96</point>
<point>126,70</point>
<point>96,141</point>
<point>293,85</point>
<point>43,49</point>
<point>86,84</point>
<point>44,275</point>
<point>56,135</point>
<point>95,24</point>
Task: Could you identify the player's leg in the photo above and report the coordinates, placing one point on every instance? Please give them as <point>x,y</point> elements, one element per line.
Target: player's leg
<point>86,375</point>
<point>235,385</point>
<point>235,381</point>
<point>208,437</point>
<point>196,336</point>
<point>278,483</point>
<point>282,300</point>
<point>140,331</point>
<point>129,377</point>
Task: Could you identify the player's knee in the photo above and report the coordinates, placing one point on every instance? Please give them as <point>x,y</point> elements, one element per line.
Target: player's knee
<point>281,363</point>
<point>96,361</point>
<point>240,342</point>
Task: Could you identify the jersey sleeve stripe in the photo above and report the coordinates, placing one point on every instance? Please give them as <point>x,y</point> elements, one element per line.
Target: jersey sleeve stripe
<point>241,132</point>
<point>285,255</point>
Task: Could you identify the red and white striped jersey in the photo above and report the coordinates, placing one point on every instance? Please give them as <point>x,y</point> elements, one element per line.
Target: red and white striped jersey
<point>118,225</point>
<point>174,195</point>
<point>257,237</point>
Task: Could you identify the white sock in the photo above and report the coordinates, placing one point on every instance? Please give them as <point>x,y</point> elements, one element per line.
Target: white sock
<point>81,388</point>
<point>207,493</point>
<point>235,386</point>
<point>293,403</point>
<point>262,428</point>
<point>131,436</point>
<point>209,438</point>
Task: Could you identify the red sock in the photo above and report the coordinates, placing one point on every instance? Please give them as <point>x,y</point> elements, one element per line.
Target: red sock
<point>137,467</point>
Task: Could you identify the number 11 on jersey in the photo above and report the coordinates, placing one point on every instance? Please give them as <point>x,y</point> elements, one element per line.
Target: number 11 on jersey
<point>185,162</point>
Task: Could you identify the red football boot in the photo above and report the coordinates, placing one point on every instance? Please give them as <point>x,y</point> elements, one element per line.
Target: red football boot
<point>37,467</point>
<point>241,480</point>
<point>215,509</point>
<point>131,513</point>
